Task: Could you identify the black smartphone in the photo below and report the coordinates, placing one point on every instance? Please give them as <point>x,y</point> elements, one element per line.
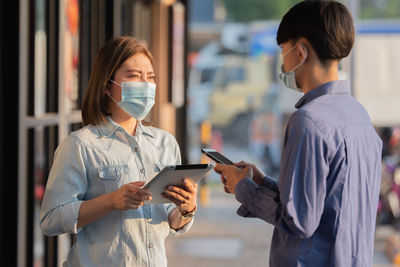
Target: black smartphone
<point>216,156</point>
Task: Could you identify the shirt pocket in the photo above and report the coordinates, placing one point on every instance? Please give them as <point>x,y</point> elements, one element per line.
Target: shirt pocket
<point>154,169</point>
<point>112,176</point>
<point>158,167</point>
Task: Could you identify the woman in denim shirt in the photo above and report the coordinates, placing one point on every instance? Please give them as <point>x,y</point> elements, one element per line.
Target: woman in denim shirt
<point>95,185</point>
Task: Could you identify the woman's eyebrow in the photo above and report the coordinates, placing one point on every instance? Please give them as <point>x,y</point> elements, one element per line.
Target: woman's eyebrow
<point>139,71</point>
<point>134,70</point>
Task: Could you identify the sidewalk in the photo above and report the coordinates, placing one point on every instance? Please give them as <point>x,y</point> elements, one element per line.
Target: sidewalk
<point>382,232</point>
<point>220,238</point>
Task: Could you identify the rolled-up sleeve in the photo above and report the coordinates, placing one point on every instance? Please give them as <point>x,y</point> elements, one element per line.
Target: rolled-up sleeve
<point>184,229</point>
<point>176,156</point>
<point>65,189</point>
<point>296,205</point>
<point>170,207</point>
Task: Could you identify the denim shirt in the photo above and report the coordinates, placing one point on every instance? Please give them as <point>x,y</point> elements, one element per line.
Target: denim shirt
<point>325,203</point>
<point>96,160</point>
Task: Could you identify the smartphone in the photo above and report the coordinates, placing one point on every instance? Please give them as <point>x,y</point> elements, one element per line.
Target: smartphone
<point>216,156</point>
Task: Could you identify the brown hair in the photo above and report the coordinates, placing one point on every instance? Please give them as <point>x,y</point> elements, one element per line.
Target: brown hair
<point>327,25</point>
<point>108,60</point>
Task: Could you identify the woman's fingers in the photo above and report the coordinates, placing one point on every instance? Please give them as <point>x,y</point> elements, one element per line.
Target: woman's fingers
<point>177,193</point>
<point>130,196</point>
<point>135,206</point>
<point>131,204</point>
<point>174,198</point>
<point>136,192</point>
<point>180,195</point>
<point>143,194</point>
<point>138,183</point>
<point>190,186</point>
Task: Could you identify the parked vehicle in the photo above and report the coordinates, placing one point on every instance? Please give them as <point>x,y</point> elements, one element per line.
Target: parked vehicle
<point>202,82</point>
<point>240,83</point>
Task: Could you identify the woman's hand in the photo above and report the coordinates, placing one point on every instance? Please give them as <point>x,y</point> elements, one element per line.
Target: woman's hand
<point>184,197</point>
<point>130,196</point>
<point>258,175</point>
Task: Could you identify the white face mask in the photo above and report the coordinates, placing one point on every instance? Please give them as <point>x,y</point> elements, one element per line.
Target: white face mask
<point>288,78</point>
<point>137,98</point>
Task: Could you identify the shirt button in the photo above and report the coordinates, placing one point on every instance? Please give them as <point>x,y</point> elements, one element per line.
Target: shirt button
<point>142,170</point>
<point>149,220</point>
<point>136,149</point>
<point>150,245</point>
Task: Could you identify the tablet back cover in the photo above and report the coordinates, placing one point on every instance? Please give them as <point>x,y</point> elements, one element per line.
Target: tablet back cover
<point>174,175</point>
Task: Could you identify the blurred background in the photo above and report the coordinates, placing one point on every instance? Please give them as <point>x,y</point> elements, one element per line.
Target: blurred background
<point>216,63</point>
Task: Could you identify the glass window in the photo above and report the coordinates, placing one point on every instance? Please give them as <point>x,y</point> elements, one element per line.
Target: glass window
<point>42,143</point>
<point>71,54</point>
<point>234,74</point>
<point>207,75</point>
<point>40,58</point>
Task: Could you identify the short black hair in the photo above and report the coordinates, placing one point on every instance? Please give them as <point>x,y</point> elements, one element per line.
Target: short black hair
<point>327,25</point>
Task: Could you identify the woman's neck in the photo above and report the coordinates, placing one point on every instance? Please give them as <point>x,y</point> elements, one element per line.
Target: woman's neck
<point>119,116</point>
<point>127,122</point>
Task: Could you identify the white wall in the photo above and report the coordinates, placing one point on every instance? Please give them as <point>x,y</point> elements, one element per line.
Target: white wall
<point>377,76</point>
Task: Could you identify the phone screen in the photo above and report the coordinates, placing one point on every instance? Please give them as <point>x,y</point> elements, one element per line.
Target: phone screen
<point>218,157</point>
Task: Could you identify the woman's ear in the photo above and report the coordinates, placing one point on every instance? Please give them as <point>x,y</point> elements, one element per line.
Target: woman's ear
<point>107,91</point>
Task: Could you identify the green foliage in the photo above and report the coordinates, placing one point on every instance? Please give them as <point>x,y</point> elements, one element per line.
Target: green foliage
<point>250,10</point>
<point>379,9</point>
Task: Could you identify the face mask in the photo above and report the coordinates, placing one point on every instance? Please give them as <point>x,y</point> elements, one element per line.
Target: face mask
<point>137,98</point>
<point>288,78</point>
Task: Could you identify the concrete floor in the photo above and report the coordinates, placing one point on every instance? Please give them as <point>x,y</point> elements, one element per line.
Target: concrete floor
<point>221,238</point>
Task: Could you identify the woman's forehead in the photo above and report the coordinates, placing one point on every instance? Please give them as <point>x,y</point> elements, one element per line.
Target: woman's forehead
<point>138,62</point>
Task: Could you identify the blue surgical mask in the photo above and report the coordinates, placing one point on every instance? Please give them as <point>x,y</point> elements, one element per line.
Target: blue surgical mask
<point>288,78</point>
<point>137,98</point>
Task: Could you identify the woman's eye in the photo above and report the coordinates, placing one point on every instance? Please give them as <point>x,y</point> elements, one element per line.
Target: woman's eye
<point>152,77</point>
<point>134,76</point>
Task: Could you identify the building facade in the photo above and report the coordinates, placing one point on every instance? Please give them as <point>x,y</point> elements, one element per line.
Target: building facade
<point>46,51</point>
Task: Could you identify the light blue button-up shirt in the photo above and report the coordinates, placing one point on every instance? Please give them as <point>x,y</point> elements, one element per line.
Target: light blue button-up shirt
<point>324,205</point>
<point>96,160</point>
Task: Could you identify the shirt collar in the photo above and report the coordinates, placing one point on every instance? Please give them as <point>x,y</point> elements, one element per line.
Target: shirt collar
<point>141,129</point>
<point>334,87</point>
<point>108,128</point>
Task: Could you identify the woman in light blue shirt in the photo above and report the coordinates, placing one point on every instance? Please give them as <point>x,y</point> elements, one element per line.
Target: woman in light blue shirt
<point>95,185</point>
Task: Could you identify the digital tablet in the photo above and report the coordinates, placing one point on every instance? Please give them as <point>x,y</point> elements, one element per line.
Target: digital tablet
<point>174,175</point>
